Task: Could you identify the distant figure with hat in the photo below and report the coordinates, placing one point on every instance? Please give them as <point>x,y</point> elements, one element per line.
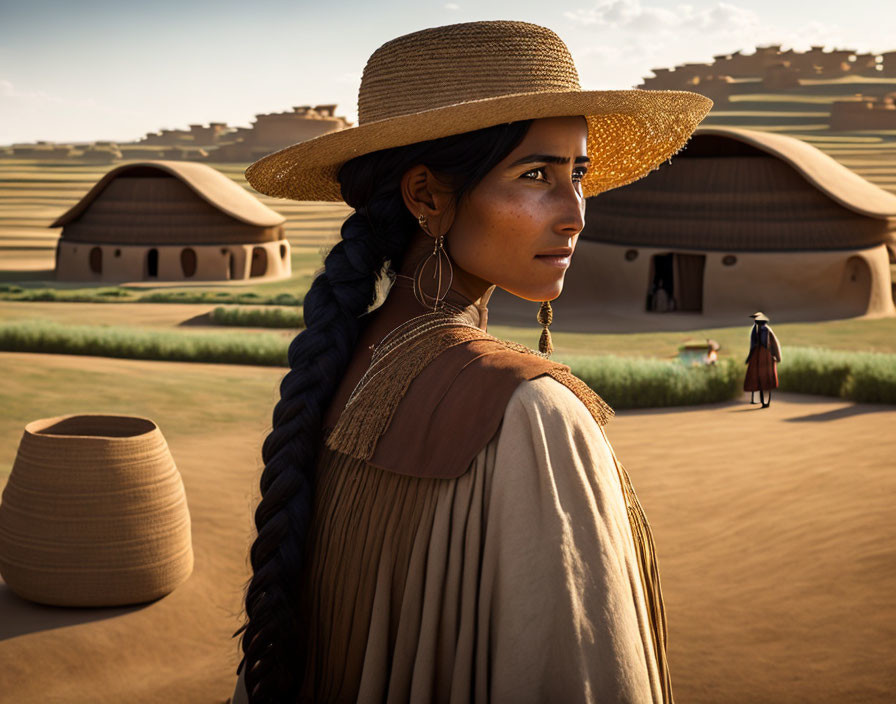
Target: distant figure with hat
<point>765,354</point>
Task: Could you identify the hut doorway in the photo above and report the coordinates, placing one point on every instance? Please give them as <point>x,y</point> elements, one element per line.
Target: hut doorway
<point>659,292</point>
<point>188,261</point>
<point>96,260</point>
<point>676,282</point>
<point>152,264</point>
<point>229,265</point>
<point>855,287</point>
<point>688,289</point>
<point>259,265</point>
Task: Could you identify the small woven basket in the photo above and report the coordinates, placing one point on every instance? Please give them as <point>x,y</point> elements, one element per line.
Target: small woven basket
<point>94,514</point>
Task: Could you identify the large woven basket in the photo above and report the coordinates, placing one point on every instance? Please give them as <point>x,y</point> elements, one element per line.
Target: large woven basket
<point>94,514</point>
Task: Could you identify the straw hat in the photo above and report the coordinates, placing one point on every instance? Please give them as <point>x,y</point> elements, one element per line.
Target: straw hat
<point>759,315</point>
<point>94,514</point>
<point>464,77</point>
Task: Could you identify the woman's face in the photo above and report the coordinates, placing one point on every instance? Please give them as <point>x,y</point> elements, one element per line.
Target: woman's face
<point>519,226</point>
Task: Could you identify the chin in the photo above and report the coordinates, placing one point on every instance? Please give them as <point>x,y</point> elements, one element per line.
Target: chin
<point>547,292</point>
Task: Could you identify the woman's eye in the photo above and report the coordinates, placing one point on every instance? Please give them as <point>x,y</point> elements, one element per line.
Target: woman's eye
<point>540,170</point>
<point>540,174</point>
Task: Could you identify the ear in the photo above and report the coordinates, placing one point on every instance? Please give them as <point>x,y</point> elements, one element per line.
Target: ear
<point>424,193</point>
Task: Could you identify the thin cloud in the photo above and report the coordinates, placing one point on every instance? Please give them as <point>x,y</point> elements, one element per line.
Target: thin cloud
<point>632,15</point>
<point>12,96</point>
<point>451,6</point>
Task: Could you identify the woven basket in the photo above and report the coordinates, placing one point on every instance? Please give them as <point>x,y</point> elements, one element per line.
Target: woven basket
<point>94,514</point>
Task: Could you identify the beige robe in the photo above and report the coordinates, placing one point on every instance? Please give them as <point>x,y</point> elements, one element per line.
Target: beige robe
<point>515,582</point>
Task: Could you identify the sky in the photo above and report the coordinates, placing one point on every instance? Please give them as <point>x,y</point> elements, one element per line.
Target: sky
<point>101,69</point>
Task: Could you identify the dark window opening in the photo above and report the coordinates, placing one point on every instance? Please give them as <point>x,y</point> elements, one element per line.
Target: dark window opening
<point>283,251</point>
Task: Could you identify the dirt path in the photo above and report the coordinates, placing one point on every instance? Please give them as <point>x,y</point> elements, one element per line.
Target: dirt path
<point>774,530</point>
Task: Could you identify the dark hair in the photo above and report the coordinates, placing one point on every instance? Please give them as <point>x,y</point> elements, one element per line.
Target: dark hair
<point>378,232</point>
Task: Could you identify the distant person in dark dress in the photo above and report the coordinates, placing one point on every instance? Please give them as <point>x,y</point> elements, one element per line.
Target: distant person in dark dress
<point>762,361</point>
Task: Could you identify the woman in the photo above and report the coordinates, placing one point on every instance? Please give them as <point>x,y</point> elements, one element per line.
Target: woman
<point>442,517</point>
<point>762,360</point>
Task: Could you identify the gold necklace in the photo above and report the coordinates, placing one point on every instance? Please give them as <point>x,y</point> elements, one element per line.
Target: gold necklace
<point>406,336</point>
<point>414,332</point>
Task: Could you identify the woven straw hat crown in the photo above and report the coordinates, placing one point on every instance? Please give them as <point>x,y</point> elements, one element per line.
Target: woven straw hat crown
<point>464,77</point>
<point>460,63</point>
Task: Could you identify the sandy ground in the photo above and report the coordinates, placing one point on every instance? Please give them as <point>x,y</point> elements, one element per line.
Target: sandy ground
<point>774,530</point>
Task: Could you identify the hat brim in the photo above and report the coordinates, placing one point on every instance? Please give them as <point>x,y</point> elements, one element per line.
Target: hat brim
<point>630,133</point>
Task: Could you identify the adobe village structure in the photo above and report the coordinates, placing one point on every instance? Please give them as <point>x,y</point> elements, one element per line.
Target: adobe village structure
<point>739,221</point>
<point>268,133</point>
<point>273,131</point>
<point>170,221</point>
<point>778,69</point>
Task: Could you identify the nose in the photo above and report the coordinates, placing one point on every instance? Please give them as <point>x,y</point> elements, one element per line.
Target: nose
<point>570,210</point>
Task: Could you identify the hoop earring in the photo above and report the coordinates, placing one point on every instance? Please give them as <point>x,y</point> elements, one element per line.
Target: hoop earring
<point>545,318</point>
<point>437,256</point>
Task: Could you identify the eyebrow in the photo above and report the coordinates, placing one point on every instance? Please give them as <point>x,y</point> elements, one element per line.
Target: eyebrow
<point>549,159</point>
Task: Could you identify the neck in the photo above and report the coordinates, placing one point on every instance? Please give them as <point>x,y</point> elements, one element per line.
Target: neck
<point>402,304</point>
<point>473,289</point>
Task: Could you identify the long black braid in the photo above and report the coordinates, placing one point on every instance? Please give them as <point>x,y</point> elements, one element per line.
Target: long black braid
<point>376,234</point>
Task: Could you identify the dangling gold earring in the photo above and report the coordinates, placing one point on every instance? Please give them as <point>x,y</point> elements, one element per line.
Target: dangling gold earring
<point>438,254</point>
<point>545,318</point>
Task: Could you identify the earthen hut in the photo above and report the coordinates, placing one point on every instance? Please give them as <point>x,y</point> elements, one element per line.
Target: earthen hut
<point>739,220</point>
<point>170,221</point>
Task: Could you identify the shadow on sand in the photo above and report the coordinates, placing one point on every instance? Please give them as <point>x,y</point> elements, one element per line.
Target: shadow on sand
<point>19,617</point>
<point>846,412</point>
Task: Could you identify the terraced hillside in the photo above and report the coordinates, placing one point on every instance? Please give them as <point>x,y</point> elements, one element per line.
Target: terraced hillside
<point>34,192</point>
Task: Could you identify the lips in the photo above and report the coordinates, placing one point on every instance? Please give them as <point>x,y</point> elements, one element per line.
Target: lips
<point>559,257</point>
<point>557,252</point>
